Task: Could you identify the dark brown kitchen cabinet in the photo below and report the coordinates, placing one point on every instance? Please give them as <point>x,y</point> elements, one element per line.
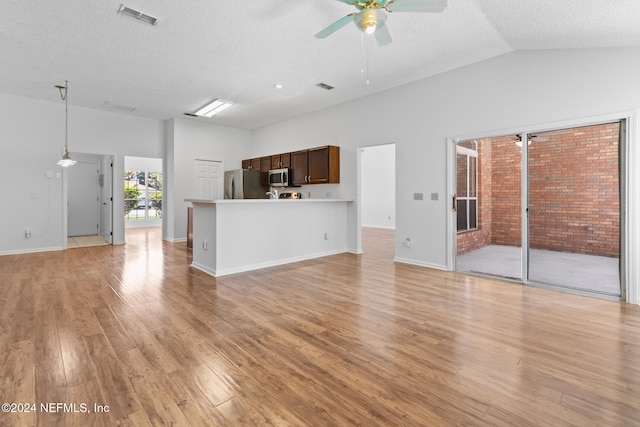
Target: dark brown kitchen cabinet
<point>280,161</point>
<point>319,165</point>
<point>300,167</point>
<point>265,166</point>
<point>253,164</point>
<point>324,165</point>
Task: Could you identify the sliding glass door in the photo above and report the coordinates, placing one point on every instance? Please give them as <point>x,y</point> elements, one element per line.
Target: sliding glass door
<point>568,195</point>
<point>488,207</point>
<point>574,208</point>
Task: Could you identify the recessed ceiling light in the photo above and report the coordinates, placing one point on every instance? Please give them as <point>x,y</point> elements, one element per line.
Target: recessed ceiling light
<point>142,17</point>
<point>214,107</point>
<point>278,86</point>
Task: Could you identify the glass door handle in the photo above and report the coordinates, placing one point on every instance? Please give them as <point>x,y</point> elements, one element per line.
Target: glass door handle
<point>455,203</point>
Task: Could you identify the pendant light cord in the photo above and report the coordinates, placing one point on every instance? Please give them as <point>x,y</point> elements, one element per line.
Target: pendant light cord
<point>66,113</point>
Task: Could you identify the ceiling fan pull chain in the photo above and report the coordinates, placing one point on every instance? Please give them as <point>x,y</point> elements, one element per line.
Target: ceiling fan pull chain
<point>365,58</point>
<point>363,55</point>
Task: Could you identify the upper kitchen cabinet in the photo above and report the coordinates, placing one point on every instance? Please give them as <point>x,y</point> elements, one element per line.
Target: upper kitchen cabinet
<point>255,165</point>
<point>265,167</point>
<point>265,164</point>
<point>252,164</point>
<point>324,165</point>
<point>280,161</point>
<point>316,166</point>
<point>300,167</point>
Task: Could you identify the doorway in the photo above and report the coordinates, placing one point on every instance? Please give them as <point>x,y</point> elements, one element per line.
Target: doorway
<point>143,192</point>
<point>378,199</point>
<point>89,200</point>
<point>543,208</point>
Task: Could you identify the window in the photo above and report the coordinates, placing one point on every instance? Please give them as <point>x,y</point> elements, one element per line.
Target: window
<point>467,185</point>
<point>142,195</point>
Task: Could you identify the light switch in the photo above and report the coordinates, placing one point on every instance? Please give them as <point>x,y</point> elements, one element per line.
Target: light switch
<point>434,196</point>
<point>418,196</point>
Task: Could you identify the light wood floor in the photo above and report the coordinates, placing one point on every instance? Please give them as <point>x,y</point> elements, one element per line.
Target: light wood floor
<point>339,341</point>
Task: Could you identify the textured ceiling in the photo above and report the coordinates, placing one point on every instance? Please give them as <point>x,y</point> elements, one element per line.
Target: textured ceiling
<point>237,50</point>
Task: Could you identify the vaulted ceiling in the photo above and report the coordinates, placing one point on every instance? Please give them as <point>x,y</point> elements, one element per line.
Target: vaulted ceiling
<point>237,50</point>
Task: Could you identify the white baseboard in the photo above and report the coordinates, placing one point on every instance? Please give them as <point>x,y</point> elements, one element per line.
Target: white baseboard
<point>31,251</point>
<point>174,240</point>
<point>204,269</point>
<point>259,266</point>
<point>421,263</point>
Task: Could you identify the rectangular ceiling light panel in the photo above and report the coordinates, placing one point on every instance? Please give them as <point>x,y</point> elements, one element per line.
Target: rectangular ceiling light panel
<point>214,107</point>
<point>142,17</point>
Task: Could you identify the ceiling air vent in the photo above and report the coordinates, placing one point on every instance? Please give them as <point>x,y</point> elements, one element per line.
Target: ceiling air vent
<point>324,86</point>
<point>142,17</point>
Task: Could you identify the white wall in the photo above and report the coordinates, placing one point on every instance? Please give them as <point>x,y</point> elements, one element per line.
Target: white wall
<point>518,89</point>
<point>187,141</point>
<point>146,164</point>
<point>378,186</point>
<point>32,141</point>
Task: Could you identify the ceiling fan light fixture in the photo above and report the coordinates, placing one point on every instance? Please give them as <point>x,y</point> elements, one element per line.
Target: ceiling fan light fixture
<point>214,107</point>
<point>369,21</point>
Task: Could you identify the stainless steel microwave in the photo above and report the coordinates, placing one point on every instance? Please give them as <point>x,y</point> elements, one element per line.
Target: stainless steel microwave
<point>279,177</point>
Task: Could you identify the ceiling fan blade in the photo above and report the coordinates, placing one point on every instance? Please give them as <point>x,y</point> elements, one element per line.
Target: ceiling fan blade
<point>417,5</point>
<point>383,37</point>
<point>335,26</point>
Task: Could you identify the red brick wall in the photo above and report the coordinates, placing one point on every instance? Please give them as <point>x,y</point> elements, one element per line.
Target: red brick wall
<point>507,194</point>
<point>573,186</point>
<point>574,202</point>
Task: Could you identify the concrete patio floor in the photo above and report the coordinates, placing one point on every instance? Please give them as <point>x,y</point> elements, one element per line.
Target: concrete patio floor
<point>584,272</point>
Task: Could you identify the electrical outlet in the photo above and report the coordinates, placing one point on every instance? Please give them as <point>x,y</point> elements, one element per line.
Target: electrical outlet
<point>326,236</point>
<point>435,196</point>
<point>27,233</point>
<point>407,243</point>
<point>204,245</point>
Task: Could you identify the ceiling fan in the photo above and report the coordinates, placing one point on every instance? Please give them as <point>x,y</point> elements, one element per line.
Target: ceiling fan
<point>371,17</point>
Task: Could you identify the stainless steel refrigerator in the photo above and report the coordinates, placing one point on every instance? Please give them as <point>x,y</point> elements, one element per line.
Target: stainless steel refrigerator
<point>244,184</point>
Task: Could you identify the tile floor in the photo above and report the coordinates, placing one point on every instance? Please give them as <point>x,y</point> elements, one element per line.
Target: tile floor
<point>85,241</point>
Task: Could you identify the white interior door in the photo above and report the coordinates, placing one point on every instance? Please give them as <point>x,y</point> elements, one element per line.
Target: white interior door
<point>83,199</point>
<point>208,179</point>
<point>106,200</point>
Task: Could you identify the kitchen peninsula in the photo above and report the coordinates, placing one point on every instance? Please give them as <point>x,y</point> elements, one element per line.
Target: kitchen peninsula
<point>232,236</point>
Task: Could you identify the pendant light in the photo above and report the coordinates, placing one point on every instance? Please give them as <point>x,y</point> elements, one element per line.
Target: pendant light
<point>66,160</point>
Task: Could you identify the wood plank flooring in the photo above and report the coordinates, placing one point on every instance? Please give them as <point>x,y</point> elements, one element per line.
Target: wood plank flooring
<point>339,341</point>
